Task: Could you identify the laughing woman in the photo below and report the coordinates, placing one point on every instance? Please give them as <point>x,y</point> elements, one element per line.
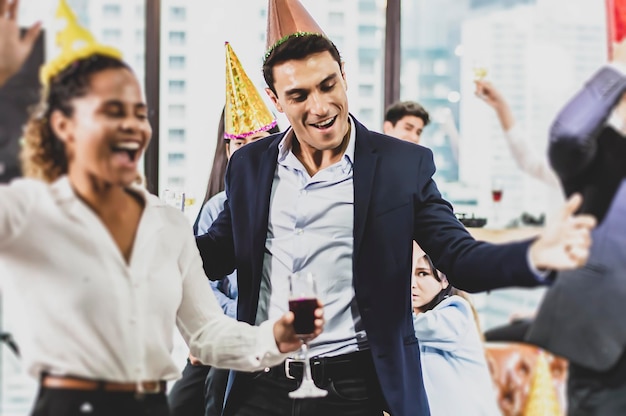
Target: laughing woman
<point>104,271</point>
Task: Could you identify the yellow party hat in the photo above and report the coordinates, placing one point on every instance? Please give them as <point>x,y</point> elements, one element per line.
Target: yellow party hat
<point>75,43</point>
<point>542,399</point>
<point>246,113</point>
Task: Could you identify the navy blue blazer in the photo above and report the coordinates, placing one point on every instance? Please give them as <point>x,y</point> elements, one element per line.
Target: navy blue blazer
<point>582,315</point>
<point>396,201</point>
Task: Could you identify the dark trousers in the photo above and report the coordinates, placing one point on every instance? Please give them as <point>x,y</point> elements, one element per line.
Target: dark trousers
<point>69,402</point>
<point>215,389</point>
<point>186,398</point>
<point>592,393</point>
<point>351,381</point>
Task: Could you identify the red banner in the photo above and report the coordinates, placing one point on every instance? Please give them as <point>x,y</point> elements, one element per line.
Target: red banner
<point>616,22</point>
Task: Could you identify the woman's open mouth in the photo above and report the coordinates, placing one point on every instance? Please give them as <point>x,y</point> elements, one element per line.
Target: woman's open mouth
<point>131,148</point>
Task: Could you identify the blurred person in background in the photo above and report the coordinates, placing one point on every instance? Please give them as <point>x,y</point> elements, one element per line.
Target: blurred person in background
<point>201,389</point>
<point>582,315</point>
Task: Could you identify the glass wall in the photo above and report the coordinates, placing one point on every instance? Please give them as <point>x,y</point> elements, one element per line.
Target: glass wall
<point>536,52</point>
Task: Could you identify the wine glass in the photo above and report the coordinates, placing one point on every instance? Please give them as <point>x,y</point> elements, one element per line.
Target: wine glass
<point>303,302</point>
<point>496,198</point>
<point>174,198</point>
<point>480,71</point>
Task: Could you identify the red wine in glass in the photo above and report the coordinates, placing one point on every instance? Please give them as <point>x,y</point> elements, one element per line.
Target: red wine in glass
<point>304,312</point>
<point>303,302</point>
<point>496,195</point>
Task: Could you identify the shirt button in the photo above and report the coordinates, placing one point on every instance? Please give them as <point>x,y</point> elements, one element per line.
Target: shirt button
<point>299,231</point>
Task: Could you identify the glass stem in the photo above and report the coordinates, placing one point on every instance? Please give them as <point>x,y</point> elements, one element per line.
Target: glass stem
<point>307,364</point>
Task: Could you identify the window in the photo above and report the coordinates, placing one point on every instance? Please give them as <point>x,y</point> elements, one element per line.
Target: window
<point>140,36</point>
<point>140,11</point>
<point>176,110</point>
<point>440,67</point>
<point>111,35</point>
<point>176,135</point>
<point>366,65</point>
<point>111,10</point>
<point>178,14</point>
<point>367,5</point>
<point>336,18</point>
<point>177,38</point>
<point>176,159</point>
<point>367,34</point>
<point>177,86</point>
<point>140,60</point>
<point>176,182</point>
<point>366,90</point>
<point>177,62</point>
<point>367,115</point>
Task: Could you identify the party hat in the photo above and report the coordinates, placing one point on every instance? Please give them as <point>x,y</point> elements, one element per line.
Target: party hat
<point>286,18</point>
<point>75,43</point>
<point>542,399</point>
<point>246,113</point>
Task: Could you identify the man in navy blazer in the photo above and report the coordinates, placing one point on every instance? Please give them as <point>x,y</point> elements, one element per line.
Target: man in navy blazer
<point>331,197</point>
<point>582,315</point>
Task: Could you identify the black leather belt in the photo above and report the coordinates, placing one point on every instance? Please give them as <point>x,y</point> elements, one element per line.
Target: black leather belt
<point>325,369</point>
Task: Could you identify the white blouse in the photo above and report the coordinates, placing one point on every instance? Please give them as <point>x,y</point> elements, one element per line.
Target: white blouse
<point>89,313</point>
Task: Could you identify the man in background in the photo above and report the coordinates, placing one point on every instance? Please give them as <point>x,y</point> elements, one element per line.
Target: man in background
<point>406,120</point>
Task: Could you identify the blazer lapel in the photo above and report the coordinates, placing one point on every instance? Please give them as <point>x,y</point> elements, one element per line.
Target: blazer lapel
<point>365,161</point>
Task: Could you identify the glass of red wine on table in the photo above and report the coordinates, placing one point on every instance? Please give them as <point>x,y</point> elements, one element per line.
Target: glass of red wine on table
<point>496,197</point>
<point>303,302</point>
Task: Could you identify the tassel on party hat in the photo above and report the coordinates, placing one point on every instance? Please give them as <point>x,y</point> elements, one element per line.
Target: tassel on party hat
<point>246,113</point>
<point>287,18</point>
<point>542,399</point>
<point>75,43</point>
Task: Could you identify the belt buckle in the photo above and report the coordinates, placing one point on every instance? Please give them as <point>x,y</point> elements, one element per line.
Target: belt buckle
<point>142,390</point>
<point>288,361</point>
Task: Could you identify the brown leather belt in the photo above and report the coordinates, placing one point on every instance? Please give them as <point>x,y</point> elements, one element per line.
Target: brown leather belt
<point>76,383</point>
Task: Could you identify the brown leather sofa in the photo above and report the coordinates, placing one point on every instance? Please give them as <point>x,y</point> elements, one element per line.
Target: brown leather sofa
<point>512,367</point>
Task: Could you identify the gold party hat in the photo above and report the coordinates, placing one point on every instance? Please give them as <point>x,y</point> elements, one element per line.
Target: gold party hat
<point>542,399</point>
<point>246,113</point>
<point>286,18</point>
<point>75,42</point>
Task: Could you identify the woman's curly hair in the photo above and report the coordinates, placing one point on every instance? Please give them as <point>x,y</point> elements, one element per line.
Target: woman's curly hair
<point>43,154</point>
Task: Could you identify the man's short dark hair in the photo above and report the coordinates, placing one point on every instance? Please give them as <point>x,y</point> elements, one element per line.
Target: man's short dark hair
<point>297,47</point>
<point>396,111</point>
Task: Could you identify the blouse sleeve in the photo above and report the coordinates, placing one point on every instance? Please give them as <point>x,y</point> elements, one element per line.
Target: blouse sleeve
<point>528,160</point>
<point>214,338</point>
<point>16,204</point>
<point>443,327</point>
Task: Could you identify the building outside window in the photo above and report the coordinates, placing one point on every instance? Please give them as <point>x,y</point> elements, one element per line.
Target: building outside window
<point>178,14</point>
<point>177,86</point>
<point>177,37</point>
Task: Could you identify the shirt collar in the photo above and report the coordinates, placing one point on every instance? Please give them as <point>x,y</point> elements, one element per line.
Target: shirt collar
<point>284,147</point>
<point>64,191</point>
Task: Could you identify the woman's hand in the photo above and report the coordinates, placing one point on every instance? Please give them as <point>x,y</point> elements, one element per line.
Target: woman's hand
<point>286,338</point>
<point>13,49</point>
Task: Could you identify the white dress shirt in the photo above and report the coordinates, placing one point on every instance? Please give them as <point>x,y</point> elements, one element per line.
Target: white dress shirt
<point>310,230</point>
<point>89,313</point>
